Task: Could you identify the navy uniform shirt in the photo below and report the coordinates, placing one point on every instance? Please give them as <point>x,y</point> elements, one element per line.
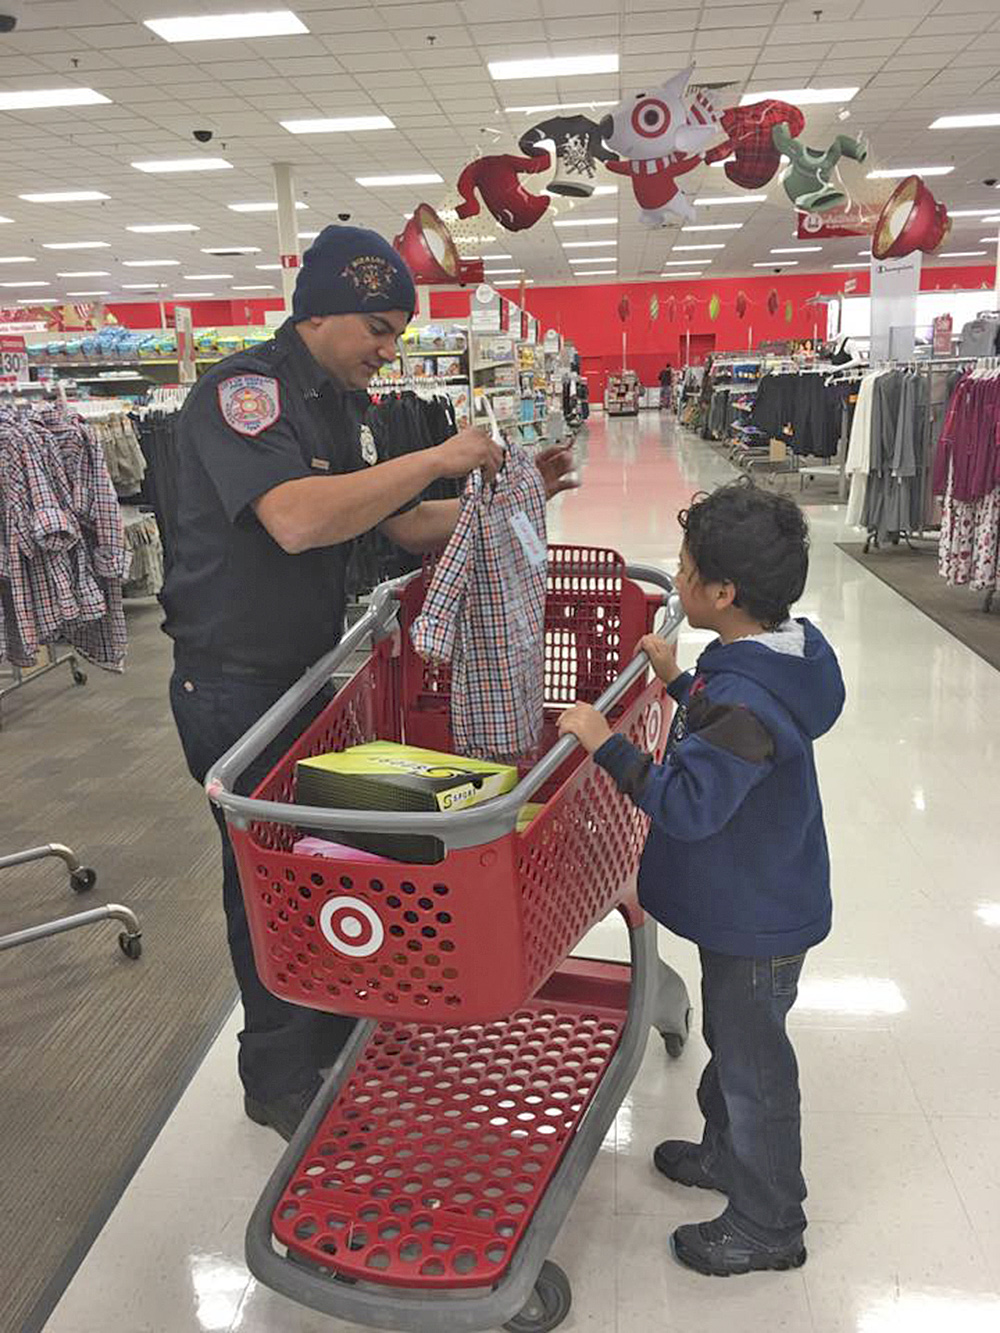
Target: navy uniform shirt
<point>234,600</point>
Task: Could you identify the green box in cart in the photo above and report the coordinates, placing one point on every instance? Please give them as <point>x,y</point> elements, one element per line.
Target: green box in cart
<point>389,777</point>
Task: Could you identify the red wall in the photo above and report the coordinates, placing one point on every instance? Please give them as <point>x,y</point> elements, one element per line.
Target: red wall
<point>588,315</point>
<point>204,314</point>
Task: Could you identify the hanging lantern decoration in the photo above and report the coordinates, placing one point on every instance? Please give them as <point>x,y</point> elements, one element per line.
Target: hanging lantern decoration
<point>789,312</point>
<point>772,302</point>
<point>689,305</point>
<point>741,304</point>
<point>654,309</point>
<point>671,309</point>
<point>624,309</point>
<point>714,306</point>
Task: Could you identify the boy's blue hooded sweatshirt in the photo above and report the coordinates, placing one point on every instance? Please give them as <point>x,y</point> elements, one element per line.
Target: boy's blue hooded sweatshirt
<point>736,857</point>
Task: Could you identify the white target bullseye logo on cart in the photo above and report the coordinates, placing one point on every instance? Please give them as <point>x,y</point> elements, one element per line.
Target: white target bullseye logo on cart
<point>654,725</point>
<point>351,927</point>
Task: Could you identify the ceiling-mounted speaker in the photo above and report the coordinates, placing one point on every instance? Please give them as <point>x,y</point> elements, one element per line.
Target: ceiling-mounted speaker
<point>426,244</point>
<point>911,219</point>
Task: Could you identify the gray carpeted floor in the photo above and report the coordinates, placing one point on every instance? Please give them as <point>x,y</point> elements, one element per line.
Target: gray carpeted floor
<point>914,575</point>
<point>95,1049</point>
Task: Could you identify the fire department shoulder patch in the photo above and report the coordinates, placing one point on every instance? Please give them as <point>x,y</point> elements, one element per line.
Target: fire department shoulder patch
<point>250,403</point>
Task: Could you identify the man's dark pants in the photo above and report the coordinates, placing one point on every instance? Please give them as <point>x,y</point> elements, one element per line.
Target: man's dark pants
<point>282,1045</point>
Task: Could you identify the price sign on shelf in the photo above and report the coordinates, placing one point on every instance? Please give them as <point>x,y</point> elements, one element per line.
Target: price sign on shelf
<point>13,362</point>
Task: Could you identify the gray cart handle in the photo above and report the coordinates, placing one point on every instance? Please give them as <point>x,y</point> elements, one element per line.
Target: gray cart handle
<point>463,828</point>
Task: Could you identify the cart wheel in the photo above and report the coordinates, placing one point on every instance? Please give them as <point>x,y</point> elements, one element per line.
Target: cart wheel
<point>130,945</point>
<point>548,1305</point>
<point>79,677</point>
<point>83,879</point>
<point>675,1041</point>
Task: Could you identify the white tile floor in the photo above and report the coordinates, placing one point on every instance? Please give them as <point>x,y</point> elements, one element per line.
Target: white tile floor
<point>897,1029</point>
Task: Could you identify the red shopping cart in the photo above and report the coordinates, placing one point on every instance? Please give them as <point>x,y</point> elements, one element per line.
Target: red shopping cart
<point>430,1177</point>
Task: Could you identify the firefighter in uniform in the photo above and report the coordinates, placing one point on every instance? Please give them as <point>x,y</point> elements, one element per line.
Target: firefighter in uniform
<point>277,473</point>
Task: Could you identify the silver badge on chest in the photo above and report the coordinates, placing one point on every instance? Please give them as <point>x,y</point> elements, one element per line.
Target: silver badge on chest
<point>368,451</point>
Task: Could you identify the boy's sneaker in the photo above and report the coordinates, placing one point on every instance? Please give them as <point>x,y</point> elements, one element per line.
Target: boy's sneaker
<point>679,1160</point>
<point>281,1113</point>
<point>720,1249</point>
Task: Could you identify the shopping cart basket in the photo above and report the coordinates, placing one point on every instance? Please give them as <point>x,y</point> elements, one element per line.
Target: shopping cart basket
<point>428,1180</point>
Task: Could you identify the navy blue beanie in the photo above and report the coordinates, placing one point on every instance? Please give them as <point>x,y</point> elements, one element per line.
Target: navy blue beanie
<point>350,271</point>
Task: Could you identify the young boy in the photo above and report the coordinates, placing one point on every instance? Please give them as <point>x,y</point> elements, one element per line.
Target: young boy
<point>736,859</point>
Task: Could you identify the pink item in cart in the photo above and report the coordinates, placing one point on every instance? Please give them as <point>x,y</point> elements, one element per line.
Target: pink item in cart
<point>335,851</point>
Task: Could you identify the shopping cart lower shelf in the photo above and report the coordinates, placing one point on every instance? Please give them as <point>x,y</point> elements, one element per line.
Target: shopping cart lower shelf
<point>429,1179</point>
<point>433,1172</point>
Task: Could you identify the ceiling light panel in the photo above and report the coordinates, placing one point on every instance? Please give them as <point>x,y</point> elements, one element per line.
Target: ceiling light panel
<point>694,273</point>
<point>338,125</point>
<point>38,98</point>
<point>85,273</point>
<point>712,226</point>
<point>177,164</point>
<point>554,106</point>
<point>777,263</point>
<point>898,173</point>
<point>231,250</point>
<point>684,263</point>
<point>25,284</point>
<point>17,259</point>
<point>154,228</point>
<point>151,263</point>
<point>714,199</point>
<point>958,254</point>
<point>980,121</point>
<point>76,245</point>
<point>797,250</point>
<point>65,197</point>
<point>265,207</point>
<point>208,277</point>
<point>717,245</point>
<point>801,96</point>
<point>588,245</point>
<point>556,67</point>
<point>586,222</point>
<point>414,178</point>
<point>102,293</point>
<point>228,27</point>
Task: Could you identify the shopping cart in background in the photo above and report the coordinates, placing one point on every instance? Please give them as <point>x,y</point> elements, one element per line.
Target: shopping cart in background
<point>430,1177</point>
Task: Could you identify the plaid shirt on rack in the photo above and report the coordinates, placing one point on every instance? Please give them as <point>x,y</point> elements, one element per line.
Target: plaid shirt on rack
<point>62,547</point>
<point>485,613</point>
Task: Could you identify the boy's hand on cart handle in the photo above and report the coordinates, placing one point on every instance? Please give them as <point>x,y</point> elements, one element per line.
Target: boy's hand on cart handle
<point>662,657</point>
<point>588,726</point>
<point>471,448</point>
<point>556,466</point>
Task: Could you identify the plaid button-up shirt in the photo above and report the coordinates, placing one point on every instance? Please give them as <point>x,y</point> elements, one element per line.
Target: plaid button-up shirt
<point>484,612</point>
<point>62,546</point>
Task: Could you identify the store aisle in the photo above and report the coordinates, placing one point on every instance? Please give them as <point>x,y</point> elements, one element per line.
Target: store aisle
<point>897,1029</point>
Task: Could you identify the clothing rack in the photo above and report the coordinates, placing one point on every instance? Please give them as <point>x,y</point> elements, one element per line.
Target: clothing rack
<point>81,879</point>
<point>63,601</point>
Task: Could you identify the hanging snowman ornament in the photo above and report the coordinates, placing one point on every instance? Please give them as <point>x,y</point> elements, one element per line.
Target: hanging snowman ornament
<point>660,135</point>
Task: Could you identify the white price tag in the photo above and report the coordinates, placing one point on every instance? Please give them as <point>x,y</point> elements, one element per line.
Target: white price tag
<point>524,531</point>
<point>13,362</point>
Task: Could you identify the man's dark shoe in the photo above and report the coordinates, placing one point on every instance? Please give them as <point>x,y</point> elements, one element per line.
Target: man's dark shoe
<point>679,1160</point>
<point>719,1249</point>
<point>281,1113</point>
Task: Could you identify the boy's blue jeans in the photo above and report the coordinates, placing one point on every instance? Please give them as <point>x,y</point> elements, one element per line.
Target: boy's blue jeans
<point>749,1092</point>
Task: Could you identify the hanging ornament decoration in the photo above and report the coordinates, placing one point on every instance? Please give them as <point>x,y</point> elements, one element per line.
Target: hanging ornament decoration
<point>789,312</point>
<point>714,306</point>
<point>661,134</point>
<point>426,244</point>
<point>808,178</point>
<point>741,304</point>
<point>912,219</point>
<point>671,309</point>
<point>578,147</point>
<point>497,178</point>
<point>772,302</point>
<point>748,129</point>
<point>624,309</point>
<point>689,305</point>
<point>654,309</point>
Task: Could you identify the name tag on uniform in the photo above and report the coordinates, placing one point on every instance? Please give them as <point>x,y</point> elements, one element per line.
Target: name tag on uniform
<point>320,464</point>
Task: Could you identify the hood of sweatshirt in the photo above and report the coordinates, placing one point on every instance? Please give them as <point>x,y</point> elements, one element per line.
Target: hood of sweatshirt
<point>802,673</point>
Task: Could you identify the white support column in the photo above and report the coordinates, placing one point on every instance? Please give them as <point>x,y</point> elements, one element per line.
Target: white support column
<point>288,229</point>
<point>996,282</point>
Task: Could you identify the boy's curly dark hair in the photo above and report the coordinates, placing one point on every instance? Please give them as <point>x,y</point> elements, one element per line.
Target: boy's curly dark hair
<point>756,540</point>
